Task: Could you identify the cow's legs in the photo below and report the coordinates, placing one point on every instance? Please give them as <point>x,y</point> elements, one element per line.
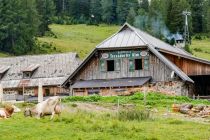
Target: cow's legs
<point>53,113</point>
<point>38,115</point>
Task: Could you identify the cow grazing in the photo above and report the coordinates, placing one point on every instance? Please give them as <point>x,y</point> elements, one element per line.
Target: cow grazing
<point>51,106</point>
<point>16,109</point>
<point>6,112</point>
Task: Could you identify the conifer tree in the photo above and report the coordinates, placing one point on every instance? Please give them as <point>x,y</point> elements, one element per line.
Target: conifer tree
<point>18,26</point>
<point>46,10</point>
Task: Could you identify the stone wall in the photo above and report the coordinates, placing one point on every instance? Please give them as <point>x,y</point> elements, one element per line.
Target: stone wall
<point>170,88</point>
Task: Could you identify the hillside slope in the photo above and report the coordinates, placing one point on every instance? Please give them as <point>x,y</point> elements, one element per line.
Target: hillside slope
<point>78,38</point>
<point>82,39</point>
<point>201,48</point>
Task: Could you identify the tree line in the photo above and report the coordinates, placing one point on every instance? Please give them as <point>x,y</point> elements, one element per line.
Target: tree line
<point>21,21</point>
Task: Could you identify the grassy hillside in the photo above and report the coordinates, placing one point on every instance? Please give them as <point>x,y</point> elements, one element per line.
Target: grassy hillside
<point>201,48</point>
<point>3,54</point>
<point>78,38</point>
<point>82,39</point>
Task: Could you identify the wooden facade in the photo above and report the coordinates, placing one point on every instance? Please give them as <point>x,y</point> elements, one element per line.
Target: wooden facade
<point>172,70</point>
<point>156,69</point>
<point>190,67</point>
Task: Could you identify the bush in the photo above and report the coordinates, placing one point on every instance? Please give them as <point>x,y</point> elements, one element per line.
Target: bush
<point>93,98</point>
<point>152,99</point>
<point>198,37</point>
<point>134,114</point>
<point>197,50</point>
<point>187,48</point>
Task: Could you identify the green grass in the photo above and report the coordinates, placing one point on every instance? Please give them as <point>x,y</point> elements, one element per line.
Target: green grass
<point>201,48</point>
<point>92,126</point>
<point>78,38</point>
<point>152,99</point>
<point>77,124</point>
<point>3,54</point>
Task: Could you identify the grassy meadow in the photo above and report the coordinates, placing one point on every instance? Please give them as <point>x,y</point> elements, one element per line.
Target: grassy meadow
<point>101,119</point>
<point>201,48</point>
<point>78,38</point>
<point>84,38</point>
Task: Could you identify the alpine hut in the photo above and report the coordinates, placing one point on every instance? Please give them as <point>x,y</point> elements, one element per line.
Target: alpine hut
<point>21,75</point>
<point>132,60</point>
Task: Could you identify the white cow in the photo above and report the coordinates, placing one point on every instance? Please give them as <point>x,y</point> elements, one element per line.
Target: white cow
<point>51,106</point>
<point>6,112</point>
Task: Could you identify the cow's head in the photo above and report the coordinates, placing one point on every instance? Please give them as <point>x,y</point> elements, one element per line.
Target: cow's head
<point>27,112</point>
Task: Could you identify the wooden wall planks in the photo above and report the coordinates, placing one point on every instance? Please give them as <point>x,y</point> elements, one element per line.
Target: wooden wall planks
<point>157,69</point>
<point>190,67</point>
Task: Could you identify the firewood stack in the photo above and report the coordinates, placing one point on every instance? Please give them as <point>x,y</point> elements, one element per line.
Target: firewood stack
<point>192,110</point>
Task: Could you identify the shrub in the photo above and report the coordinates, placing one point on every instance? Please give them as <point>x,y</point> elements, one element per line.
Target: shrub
<point>198,37</point>
<point>93,98</point>
<point>187,48</point>
<point>197,50</point>
<point>74,105</point>
<point>134,114</point>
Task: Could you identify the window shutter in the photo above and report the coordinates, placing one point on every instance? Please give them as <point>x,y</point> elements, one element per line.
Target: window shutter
<point>102,65</point>
<point>131,65</point>
<point>146,63</point>
<point>117,64</point>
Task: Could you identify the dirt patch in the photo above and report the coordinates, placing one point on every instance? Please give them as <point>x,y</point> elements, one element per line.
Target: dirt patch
<point>93,107</point>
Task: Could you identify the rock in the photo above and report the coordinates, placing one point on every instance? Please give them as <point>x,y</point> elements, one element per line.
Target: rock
<point>199,107</point>
<point>184,110</point>
<point>189,106</point>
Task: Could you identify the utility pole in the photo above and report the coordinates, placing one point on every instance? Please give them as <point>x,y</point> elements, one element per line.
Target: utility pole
<point>186,27</point>
<point>63,5</point>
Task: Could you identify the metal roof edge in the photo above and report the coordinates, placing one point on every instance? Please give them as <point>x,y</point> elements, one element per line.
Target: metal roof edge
<point>177,70</point>
<point>80,66</point>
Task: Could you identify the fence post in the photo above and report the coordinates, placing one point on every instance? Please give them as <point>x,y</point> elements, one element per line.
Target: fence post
<point>145,98</point>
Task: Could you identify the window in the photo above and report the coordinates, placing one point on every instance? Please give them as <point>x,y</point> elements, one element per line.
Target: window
<point>110,65</point>
<point>47,92</point>
<point>93,92</point>
<point>138,64</point>
<point>26,75</point>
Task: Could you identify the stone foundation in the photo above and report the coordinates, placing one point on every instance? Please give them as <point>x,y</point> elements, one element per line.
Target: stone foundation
<point>170,88</point>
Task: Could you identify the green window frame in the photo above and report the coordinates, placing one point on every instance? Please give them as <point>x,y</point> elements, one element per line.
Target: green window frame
<point>117,65</point>
<point>131,65</point>
<point>102,65</point>
<point>146,63</point>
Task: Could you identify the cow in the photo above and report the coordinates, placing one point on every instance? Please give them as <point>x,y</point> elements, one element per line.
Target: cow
<point>16,109</point>
<point>6,112</point>
<point>51,106</point>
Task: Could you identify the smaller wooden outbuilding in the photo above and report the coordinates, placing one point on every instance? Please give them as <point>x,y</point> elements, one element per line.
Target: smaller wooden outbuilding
<point>132,60</point>
<point>21,75</point>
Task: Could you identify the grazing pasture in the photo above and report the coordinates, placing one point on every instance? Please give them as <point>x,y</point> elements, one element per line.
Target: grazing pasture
<point>94,117</point>
<point>78,38</point>
<point>201,48</point>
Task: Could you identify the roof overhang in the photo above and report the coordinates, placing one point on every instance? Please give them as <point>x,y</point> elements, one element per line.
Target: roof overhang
<point>122,82</point>
<point>31,68</point>
<point>3,69</point>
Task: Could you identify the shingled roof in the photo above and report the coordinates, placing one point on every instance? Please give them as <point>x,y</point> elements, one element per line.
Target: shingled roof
<point>49,69</point>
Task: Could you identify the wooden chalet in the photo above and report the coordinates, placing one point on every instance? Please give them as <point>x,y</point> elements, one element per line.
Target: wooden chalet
<point>22,75</point>
<point>132,60</point>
